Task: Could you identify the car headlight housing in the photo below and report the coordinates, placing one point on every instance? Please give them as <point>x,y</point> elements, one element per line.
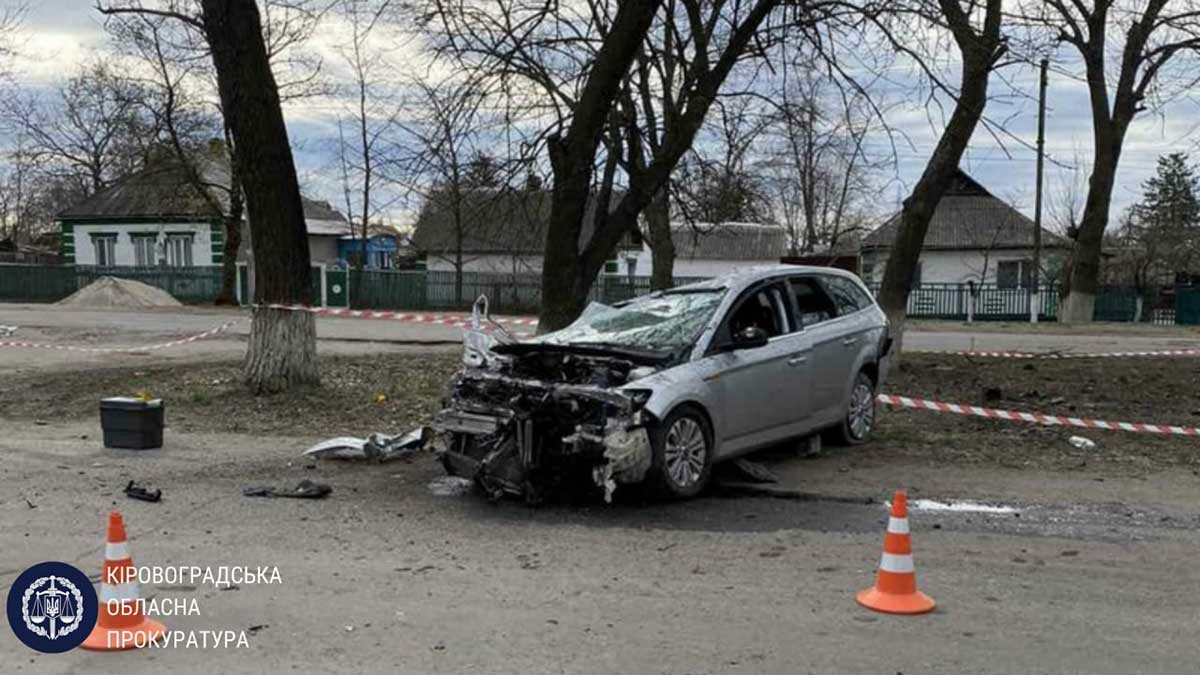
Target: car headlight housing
<point>639,397</point>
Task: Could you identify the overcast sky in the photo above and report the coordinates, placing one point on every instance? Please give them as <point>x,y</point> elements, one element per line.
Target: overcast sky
<point>62,33</point>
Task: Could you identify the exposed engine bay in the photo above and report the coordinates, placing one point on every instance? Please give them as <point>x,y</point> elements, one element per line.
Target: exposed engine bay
<point>531,420</point>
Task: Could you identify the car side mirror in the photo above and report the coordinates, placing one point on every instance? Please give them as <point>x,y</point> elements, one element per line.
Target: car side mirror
<point>750,337</point>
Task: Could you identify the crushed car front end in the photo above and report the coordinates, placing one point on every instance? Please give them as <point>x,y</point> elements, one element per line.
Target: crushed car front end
<point>515,432</point>
<point>562,411</point>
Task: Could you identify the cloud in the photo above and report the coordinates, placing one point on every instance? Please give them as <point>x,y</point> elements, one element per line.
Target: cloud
<point>64,33</point>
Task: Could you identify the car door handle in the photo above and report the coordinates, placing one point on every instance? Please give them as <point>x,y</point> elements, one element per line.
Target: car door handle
<point>849,341</point>
<point>797,360</point>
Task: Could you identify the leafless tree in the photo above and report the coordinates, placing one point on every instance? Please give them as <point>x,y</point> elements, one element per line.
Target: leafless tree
<point>282,348</point>
<point>817,165</point>
<point>438,156</point>
<point>195,138</point>
<point>1134,55</point>
<point>92,131</point>
<point>287,25</point>
<point>17,186</point>
<point>582,58</point>
<point>371,112</point>
<point>975,30</point>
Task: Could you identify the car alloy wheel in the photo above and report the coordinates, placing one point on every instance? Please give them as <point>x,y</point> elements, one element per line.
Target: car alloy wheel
<point>685,452</point>
<point>862,409</point>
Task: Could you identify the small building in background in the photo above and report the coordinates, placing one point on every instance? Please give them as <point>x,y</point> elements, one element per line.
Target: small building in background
<point>383,248</point>
<point>973,237</point>
<point>155,217</point>
<point>494,230</point>
<point>504,231</point>
<point>713,249</point>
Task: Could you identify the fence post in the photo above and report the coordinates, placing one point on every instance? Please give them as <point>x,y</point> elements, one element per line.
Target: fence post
<point>325,288</point>
<point>1035,305</point>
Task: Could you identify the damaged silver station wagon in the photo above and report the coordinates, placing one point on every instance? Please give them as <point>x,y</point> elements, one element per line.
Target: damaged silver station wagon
<point>660,387</point>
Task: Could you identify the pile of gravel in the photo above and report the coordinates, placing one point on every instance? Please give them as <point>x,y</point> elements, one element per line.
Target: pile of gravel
<point>113,292</point>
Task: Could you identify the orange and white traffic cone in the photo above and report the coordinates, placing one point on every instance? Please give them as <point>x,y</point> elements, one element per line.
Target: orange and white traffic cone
<point>121,624</point>
<point>895,590</point>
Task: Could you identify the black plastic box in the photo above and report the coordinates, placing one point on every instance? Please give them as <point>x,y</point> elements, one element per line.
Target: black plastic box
<point>132,423</point>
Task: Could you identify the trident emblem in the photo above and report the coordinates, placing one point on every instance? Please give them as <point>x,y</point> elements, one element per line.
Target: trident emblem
<point>54,605</point>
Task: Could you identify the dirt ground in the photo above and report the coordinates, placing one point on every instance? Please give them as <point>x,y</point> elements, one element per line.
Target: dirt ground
<point>1155,390</point>
<point>396,392</point>
<point>1087,566</point>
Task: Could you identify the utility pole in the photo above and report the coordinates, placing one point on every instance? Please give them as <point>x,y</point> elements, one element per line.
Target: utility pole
<point>1035,298</point>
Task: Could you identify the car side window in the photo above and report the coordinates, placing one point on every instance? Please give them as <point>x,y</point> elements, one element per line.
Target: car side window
<point>846,294</point>
<point>765,308</point>
<point>812,303</point>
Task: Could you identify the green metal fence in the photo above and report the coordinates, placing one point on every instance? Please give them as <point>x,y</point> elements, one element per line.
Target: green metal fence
<point>507,293</point>
<point>380,289</point>
<point>44,283</point>
<point>991,302</point>
<point>36,283</point>
<point>1187,305</point>
<point>522,293</point>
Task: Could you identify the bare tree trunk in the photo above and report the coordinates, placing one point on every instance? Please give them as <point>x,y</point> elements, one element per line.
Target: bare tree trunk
<point>1080,303</point>
<point>282,349</point>
<point>565,283</point>
<point>662,246</point>
<point>980,52</point>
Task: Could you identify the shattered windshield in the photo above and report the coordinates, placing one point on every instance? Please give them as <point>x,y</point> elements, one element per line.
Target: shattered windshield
<point>663,323</point>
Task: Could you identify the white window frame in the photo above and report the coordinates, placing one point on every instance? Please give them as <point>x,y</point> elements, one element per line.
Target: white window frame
<point>104,244</point>
<point>144,257</point>
<point>180,243</point>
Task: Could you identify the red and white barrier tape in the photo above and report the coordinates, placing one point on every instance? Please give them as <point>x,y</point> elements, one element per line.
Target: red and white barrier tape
<point>104,350</point>
<point>1068,355</point>
<point>1035,418</point>
<point>451,320</point>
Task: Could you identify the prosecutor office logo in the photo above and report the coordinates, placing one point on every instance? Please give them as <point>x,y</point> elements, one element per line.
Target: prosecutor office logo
<point>52,607</point>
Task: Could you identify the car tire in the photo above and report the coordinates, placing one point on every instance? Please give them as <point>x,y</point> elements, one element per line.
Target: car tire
<point>682,446</point>
<point>859,421</point>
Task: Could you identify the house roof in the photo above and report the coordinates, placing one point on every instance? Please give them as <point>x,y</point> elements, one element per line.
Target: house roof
<point>967,218</point>
<point>494,221</point>
<point>729,241</point>
<point>515,222</point>
<point>164,191</point>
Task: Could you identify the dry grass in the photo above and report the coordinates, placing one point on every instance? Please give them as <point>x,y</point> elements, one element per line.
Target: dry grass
<point>209,398</point>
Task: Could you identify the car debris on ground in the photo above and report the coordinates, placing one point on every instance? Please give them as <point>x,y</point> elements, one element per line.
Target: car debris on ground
<point>754,471</point>
<point>305,489</point>
<point>141,493</point>
<point>1082,443</point>
<point>376,447</point>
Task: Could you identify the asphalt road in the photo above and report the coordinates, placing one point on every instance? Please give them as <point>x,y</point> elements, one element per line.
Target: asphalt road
<point>383,576</point>
<point>1079,573</point>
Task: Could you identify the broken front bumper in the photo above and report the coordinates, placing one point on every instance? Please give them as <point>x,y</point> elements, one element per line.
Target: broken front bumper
<point>511,453</point>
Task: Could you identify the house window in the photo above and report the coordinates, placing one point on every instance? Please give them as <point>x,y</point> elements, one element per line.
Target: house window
<point>868,272</point>
<point>380,260</point>
<point>1014,274</point>
<point>145,247</point>
<point>105,246</point>
<point>179,250</point>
